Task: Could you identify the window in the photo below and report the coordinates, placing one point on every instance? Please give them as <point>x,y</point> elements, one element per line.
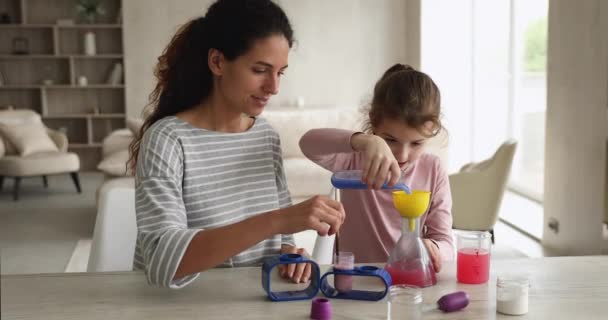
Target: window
<point>489,60</point>
<point>529,92</point>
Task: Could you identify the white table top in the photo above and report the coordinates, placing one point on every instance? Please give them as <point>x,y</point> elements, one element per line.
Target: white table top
<point>561,288</point>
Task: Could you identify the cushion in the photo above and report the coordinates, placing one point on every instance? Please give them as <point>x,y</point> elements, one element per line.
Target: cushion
<point>14,117</point>
<point>9,148</point>
<point>134,124</point>
<point>116,141</point>
<point>115,164</point>
<point>28,138</point>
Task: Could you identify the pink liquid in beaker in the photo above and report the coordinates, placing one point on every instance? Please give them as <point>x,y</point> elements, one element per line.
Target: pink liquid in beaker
<point>411,273</point>
<point>343,283</point>
<point>344,261</point>
<point>473,266</point>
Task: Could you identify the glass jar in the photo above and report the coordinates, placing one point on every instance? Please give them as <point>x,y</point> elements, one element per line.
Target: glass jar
<point>404,302</point>
<point>473,260</point>
<point>512,294</point>
<point>344,261</point>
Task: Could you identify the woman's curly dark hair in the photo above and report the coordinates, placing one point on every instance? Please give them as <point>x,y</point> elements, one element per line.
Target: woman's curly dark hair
<point>183,76</point>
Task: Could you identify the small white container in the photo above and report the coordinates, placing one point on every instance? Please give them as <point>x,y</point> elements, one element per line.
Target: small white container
<point>512,294</point>
<point>82,81</point>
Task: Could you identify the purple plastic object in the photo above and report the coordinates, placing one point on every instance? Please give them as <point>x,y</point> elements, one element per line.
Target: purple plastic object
<point>320,309</point>
<point>453,301</point>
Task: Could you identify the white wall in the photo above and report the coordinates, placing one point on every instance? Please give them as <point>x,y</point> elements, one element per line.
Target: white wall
<point>577,125</point>
<point>343,46</point>
<point>148,27</point>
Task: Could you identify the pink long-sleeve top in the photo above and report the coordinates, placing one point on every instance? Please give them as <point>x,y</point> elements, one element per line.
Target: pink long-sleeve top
<point>373,225</point>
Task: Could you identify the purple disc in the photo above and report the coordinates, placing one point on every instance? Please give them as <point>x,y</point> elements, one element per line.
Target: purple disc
<point>453,301</point>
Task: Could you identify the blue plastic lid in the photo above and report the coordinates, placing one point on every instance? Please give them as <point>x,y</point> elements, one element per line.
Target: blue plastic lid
<point>351,179</point>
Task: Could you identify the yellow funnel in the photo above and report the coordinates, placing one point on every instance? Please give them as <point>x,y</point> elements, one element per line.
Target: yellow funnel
<point>412,205</point>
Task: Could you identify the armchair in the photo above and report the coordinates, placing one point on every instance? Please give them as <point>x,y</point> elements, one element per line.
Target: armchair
<point>24,154</point>
<point>478,188</point>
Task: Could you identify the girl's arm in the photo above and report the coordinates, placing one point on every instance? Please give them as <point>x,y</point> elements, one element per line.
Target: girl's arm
<point>330,148</point>
<point>336,149</point>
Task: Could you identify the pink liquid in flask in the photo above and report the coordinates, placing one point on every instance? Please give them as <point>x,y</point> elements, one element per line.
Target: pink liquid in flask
<point>473,266</point>
<point>411,273</point>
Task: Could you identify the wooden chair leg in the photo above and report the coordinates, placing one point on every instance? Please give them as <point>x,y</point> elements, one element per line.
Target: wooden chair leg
<point>76,181</point>
<point>45,182</point>
<point>1,182</point>
<point>16,188</point>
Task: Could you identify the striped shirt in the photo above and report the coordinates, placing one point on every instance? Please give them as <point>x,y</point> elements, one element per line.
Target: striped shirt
<point>190,179</point>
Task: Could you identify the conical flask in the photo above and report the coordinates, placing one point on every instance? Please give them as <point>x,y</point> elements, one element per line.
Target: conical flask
<point>409,262</point>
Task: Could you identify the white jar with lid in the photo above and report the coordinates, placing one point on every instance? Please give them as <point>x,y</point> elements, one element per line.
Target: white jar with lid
<point>512,294</point>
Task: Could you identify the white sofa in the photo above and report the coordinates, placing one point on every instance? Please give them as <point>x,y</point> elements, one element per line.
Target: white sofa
<point>304,178</point>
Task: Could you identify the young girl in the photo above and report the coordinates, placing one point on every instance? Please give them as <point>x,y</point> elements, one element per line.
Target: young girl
<point>403,115</point>
<point>210,185</point>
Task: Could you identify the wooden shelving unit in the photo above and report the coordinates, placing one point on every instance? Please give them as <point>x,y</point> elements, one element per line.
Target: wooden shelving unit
<point>55,52</point>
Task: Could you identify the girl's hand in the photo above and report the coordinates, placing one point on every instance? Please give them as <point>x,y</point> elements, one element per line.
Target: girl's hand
<point>379,163</point>
<point>433,251</point>
<point>319,213</point>
<point>298,273</point>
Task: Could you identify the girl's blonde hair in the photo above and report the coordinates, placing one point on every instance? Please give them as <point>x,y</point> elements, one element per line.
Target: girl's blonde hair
<point>405,94</point>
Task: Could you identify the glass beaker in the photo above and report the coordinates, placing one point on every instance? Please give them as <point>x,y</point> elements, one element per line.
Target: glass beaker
<point>404,302</point>
<point>344,261</point>
<point>473,261</point>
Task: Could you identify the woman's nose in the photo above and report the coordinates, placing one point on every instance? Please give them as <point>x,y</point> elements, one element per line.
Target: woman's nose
<point>271,85</point>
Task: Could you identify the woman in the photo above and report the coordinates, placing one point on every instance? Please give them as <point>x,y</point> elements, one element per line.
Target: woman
<point>210,185</point>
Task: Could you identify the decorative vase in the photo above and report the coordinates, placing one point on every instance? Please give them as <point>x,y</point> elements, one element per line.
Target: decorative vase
<point>115,77</point>
<point>90,48</point>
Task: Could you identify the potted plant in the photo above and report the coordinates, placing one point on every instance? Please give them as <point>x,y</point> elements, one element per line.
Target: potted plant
<point>90,9</point>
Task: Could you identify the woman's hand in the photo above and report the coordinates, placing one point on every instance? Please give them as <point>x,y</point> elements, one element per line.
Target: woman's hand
<point>298,273</point>
<point>379,163</point>
<point>433,251</point>
<point>319,213</point>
